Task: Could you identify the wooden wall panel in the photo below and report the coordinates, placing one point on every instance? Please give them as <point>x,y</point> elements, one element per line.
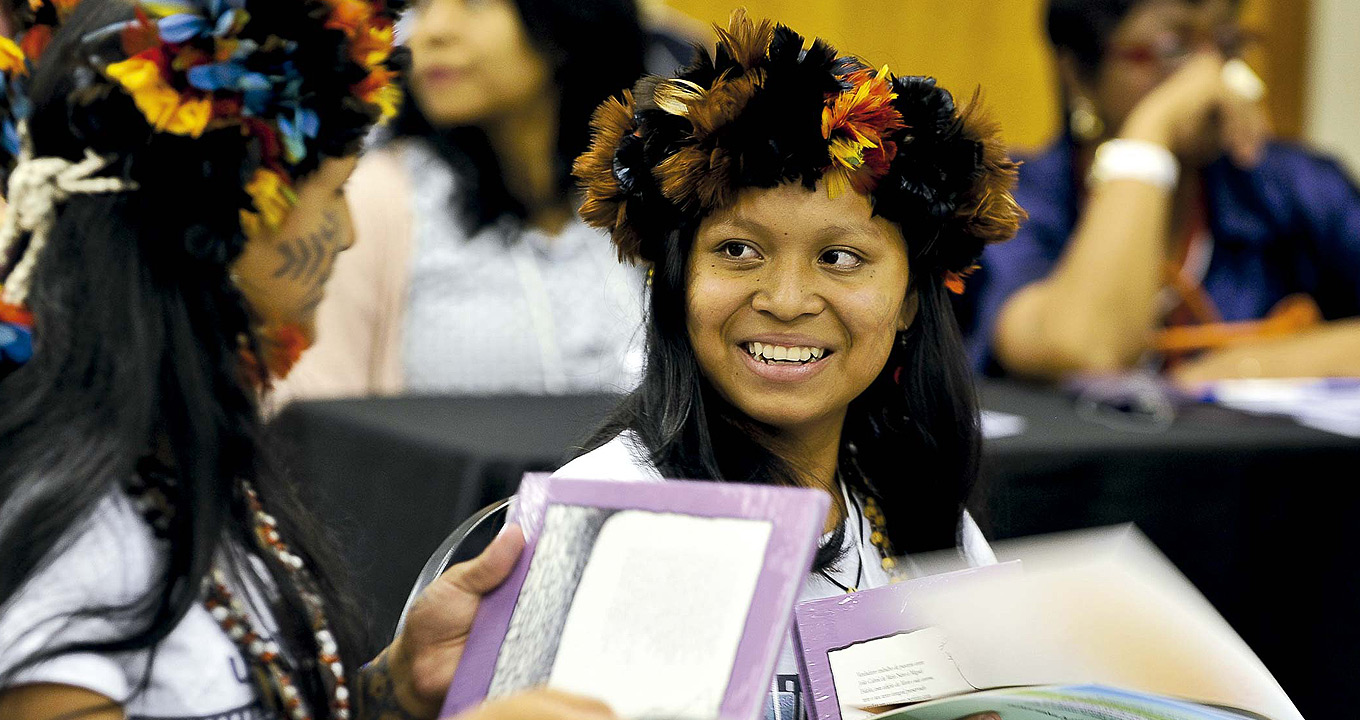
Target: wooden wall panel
<point>999,45</point>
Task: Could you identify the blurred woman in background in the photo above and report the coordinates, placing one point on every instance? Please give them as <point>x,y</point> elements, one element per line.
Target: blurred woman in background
<point>475,275</point>
<point>1164,219</point>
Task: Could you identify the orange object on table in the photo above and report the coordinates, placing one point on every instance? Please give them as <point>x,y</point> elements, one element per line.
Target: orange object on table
<point>1291,315</point>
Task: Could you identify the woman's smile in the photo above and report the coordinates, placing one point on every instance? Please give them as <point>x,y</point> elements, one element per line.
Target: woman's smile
<point>785,360</point>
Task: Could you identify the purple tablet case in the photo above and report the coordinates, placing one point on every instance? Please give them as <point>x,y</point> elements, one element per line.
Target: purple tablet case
<point>821,626</point>
<point>796,516</point>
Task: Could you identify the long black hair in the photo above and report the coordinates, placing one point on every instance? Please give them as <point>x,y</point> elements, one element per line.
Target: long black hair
<point>137,329</point>
<point>911,439</point>
<point>595,49</point>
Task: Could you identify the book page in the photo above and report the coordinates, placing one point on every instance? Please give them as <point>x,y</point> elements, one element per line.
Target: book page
<point>894,670</point>
<point>658,614</point>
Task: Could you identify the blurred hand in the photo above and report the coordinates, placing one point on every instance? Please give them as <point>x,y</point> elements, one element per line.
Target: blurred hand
<point>1248,360</point>
<point>423,658</point>
<point>990,715</point>
<point>1194,112</point>
<point>542,704</point>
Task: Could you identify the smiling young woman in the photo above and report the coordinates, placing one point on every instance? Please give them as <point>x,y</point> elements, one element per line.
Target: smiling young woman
<point>804,217</point>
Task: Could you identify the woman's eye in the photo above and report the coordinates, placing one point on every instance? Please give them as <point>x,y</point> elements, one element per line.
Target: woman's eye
<point>737,250</point>
<point>843,259</point>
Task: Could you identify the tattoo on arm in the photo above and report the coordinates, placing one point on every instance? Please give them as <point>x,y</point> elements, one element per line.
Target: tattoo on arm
<point>377,696</point>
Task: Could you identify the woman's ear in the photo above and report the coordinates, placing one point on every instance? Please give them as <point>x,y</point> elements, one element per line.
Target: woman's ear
<point>910,306</point>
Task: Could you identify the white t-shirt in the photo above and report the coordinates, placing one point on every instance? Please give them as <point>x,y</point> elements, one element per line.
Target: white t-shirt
<point>196,672</point>
<point>625,459</point>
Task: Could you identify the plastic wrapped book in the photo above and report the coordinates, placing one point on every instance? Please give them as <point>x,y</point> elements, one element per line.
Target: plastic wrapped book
<point>627,592</point>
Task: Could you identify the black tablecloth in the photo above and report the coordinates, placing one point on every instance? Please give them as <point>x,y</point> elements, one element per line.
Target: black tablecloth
<point>1254,510</point>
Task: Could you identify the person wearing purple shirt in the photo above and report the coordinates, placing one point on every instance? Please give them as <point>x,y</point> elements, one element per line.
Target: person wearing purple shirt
<point>1165,170</point>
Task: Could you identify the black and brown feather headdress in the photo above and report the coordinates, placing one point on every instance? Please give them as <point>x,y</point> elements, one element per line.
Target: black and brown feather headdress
<point>762,110</point>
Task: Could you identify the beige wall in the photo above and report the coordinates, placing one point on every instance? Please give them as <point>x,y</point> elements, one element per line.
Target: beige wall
<point>1333,87</point>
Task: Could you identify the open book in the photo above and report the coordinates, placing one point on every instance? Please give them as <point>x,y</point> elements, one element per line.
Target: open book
<point>1093,607</point>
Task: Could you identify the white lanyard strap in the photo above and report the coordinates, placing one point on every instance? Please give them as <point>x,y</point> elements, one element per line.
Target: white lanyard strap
<point>540,317</point>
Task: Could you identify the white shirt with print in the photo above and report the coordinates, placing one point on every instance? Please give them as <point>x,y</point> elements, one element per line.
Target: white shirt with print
<point>195,673</point>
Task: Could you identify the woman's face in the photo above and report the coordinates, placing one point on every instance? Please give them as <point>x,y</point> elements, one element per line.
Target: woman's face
<point>283,273</point>
<point>794,301</point>
<point>473,62</point>
<point>1154,40</point>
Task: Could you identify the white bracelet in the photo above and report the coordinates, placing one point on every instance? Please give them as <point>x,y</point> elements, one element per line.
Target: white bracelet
<point>1239,78</point>
<point>1140,160</point>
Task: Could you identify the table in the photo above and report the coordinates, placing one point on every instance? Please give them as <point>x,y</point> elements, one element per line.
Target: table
<point>1255,511</point>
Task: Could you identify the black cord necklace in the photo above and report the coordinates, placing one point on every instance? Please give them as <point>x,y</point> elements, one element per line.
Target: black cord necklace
<point>859,537</point>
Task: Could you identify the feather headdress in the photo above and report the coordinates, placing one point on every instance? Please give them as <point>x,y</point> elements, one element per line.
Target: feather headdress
<point>761,110</point>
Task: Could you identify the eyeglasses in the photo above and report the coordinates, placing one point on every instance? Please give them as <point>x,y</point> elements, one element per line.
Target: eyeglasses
<point>1169,50</point>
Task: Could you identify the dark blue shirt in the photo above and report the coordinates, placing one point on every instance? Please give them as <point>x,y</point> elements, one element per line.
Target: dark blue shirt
<point>1289,225</point>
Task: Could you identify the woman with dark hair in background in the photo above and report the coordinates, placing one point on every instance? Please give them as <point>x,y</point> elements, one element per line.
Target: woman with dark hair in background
<point>166,164</point>
<point>1163,217</point>
<point>803,216</point>
<point>473,273</point>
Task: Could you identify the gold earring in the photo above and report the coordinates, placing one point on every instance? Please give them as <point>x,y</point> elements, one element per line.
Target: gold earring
<point>1084,122</point>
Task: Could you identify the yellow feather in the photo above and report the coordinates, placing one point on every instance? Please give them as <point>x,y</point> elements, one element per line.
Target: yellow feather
<point>849,153</point>
<point>675,96</point>
<point>837,182</point>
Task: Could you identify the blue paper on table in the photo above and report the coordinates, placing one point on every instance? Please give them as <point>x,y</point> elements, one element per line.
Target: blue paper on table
<point>1328,404</point>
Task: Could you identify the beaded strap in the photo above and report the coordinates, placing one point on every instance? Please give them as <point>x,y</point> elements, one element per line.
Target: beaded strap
<point>230,613</point>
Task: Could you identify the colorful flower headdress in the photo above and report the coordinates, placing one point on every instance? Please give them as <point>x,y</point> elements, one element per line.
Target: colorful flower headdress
<point>262,66</point>
<point>263,71</point>
<point>762,111</point>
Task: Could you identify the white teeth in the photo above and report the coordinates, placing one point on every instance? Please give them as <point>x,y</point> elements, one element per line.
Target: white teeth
<point>783,353</point>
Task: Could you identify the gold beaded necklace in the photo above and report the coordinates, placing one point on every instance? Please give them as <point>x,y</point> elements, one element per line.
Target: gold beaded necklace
<point>878,537</point>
